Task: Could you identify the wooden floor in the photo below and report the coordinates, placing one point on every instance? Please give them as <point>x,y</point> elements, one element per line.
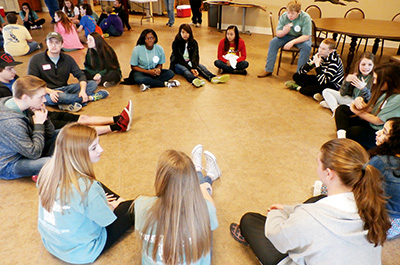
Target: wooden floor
<point>265,137</point>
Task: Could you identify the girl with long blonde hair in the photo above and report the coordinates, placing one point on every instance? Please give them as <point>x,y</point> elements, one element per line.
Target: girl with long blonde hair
<point>79,217</point>
<point>348,226</point>
<point>67,30</point>
<point>176,225</point>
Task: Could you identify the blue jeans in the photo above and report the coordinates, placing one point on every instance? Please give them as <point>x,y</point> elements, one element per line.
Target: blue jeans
<point>52,5</point>
<point>205,179</point>
<point>203,71</point>
<point>71,93</point>
<point>169,5</point>
<point>228,69</point>
<point>33,46</point>
<point>276,43</point>
<point>153,81</point>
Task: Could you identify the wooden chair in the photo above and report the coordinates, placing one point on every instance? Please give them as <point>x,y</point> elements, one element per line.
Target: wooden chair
<point>353,13</point>
<point>395,18</point>
<point>294,51</point>
<point>281,11</point>
<point>395,58</point>
<point>314,11</point>
<point>316,40</point>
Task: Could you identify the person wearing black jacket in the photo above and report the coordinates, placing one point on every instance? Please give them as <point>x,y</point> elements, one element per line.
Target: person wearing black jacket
<point>119,9</point>
<point>185,59</point>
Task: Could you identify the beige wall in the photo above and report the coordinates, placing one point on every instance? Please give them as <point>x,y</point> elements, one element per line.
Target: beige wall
<point>258,20</point>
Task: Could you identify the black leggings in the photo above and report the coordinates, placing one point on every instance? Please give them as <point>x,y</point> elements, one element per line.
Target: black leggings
<point>29,24</point>
<point>252,228</point>
<point>110,76</point>
<point>310,85</point>
<point>125,220</point>
<point>356,128</point>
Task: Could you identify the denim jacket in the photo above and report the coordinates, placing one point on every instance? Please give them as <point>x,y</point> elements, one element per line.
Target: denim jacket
<point>389,166</point>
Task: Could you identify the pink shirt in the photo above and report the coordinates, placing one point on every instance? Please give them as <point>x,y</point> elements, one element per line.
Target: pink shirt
<point>71,39</point>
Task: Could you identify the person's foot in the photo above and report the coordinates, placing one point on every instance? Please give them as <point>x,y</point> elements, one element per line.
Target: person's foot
<point>125,119</point>
<point>172,83</point>
<point>324,104</point>
<point>212,168</point>
<point>197,152</point>
<point>237,234</point>
<point>34,27</point>
<point>220,79</point>
<point>318,97</point>
<point>108,84</point>
<point>106,35</point>
<point>264,74</point>
<point>292,85</point>
<point>240,72</point>
<point>100,95</point>
<point>71,107</point>
<point>192,24</point>
<point>197,82</point>
<point>40,46</point>
<point>144,87</point>
<point>198,25</point>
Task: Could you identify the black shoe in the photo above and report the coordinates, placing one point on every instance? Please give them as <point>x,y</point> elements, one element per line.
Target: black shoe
<point>239,72</point>
<point>40,46</point>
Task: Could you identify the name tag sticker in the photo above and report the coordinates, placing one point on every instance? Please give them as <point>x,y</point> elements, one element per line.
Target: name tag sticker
<point>46,67</point>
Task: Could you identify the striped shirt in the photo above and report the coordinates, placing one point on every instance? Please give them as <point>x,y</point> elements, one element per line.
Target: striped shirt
<point>330,70</point>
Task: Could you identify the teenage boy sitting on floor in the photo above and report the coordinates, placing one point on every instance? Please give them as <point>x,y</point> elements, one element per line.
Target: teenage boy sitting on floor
<point>55,67</point>
<point>329,68</point>
<point>26,135</point>
<point>103,125</point>
<point>112,25</point>
<point>294,29</point>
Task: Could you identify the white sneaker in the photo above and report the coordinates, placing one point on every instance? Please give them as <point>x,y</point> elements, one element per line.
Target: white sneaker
<point>324,104</point>
<point>198,25</point>
<point>318,97</point>
<point>144,87</point>
<point>173,83</point>
<point>71,107</point>
<point>197,152</point>
<point>212,168</point>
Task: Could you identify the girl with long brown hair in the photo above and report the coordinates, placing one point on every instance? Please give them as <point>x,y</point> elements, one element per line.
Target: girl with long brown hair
<point>176,225</point>
<point>101,62</point>
<point>362,120</point>
<point>68,31</point>
<point>348,226</point>
<point>79,217</point>
<point>71,11</point>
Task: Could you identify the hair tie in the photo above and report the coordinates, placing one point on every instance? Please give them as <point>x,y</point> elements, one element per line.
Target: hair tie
<point>364,166</point>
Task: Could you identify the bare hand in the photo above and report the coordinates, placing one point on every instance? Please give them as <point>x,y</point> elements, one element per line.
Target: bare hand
<point>350,77</point>
<point>360,84</point>
<point>84,96</point>
<point>97,78</point>
<point>317,60</point>
<point>40,115</point>
<point>228,63</point>
<point>275,207</point>
<point>288,46</point>
<point>54,95</point>
<point>195,72</point>
<point>113,202</point>
<point>359,103</point>
<point>287,27</point>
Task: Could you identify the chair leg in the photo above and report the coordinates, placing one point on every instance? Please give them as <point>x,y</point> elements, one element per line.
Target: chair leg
<point>382,43</point>
<point>344,41</point>
<point>366,44</point>
<point>294,55</point>
<point>279,61</point>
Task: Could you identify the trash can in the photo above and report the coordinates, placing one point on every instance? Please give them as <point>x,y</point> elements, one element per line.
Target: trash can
<point>212,16</point>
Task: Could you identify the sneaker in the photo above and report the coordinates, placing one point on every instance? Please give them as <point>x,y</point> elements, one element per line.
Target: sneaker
<point>108,84</point>
<point>71,107</point>
<point>192,24</point>
<point>197,152</point>
<point>292,85</point>
<point>237,234</point>
<point>318,97</point>
<point>197,82</point>
<point>100,95</point>
<point>34,27</point>
<point>40,46</point>
<point>39,27</point>
<point>106,35</point>
<point>198,25</point>
<point>220,79</point>
<point>144,87</point>
<point>324,104</point>
<point>212,168</point>
<point>173,83</point>
<point>208,187</point>
<point>125,119</point>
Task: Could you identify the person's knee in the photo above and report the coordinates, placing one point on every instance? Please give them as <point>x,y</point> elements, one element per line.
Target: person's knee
<point>83,119</point>
<point>246,220</point>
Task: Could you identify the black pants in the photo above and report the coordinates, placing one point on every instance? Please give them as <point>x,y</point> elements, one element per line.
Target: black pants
<point>110,76</point>
<point>356,128</point>
<point>60,119</point>
<point>310,85</point>
<point>252,228</point>
<point>195,5</point>
<point>29,24</point>
<point>125,220</point>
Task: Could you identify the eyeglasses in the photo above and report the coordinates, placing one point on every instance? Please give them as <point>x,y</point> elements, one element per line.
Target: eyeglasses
<point>149,38</point>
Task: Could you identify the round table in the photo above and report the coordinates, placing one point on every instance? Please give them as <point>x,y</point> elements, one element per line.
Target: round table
<point>356,28</point>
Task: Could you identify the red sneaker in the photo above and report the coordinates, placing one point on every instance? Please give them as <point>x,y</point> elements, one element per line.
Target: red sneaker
<point>125,119</point>
<point>34,178</point>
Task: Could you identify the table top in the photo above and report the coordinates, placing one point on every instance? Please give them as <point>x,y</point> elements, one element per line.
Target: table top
<point>367,28</point>
<point>235,4</point>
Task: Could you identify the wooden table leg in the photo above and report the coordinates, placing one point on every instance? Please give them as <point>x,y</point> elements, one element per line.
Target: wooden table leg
<point>350,56</point>
<point>376,46</point>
